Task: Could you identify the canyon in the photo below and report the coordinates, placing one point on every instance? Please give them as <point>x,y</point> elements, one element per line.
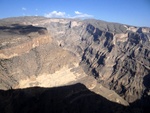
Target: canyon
<point>107,64</point>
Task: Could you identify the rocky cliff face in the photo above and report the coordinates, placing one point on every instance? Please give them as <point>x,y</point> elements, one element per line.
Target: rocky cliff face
<point>117,55</point>
<point>119,62</point>
<point>30,57</point>
<point>27,52</point>
<point>17,40</point>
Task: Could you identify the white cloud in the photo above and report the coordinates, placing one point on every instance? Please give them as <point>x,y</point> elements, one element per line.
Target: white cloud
<point>59,14</point>
<point>23,8</point>
<point>82,15</point>
<point>77,13</point>
<point>56,14</point>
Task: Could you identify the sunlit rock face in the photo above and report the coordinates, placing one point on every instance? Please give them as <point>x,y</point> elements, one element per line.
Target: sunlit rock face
<point>29,58</point>
<point>17,40</point>
<point>55,52</point>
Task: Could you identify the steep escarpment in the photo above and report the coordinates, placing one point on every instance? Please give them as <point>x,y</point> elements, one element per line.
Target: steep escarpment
<point>30,57</point>
<point>116,55</point>
<point>16,39</point>
<point>118,59</point>
<point>119,64</point>
<point>28,52</point>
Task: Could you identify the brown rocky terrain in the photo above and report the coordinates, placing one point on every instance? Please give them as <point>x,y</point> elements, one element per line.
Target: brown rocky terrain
<point>110,59</point>
<point>27,52</point>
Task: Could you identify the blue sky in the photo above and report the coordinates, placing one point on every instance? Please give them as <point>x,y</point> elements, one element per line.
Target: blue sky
<point>132,12</point>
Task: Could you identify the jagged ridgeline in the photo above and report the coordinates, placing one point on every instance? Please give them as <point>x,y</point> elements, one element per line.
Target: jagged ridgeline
<point>110,59</point>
